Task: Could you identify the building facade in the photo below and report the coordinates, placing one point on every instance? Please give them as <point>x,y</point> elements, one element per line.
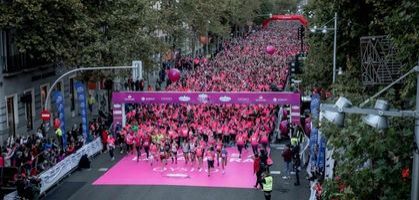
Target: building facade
<point>24,82</point>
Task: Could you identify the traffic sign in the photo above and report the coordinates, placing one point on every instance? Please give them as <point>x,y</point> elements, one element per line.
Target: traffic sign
<point>45,115</point>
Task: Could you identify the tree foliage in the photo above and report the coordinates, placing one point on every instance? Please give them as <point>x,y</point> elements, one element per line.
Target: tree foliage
<point>107,32</point>
<point>369,163</point>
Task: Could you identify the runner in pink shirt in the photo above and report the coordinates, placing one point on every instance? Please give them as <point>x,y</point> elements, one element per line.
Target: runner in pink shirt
<point>240,143</point>
<point>199,156</point>
<point>254,141</point>
<point>264,140</point>
<point>184,132</point>
<point>146,144</point>
<point>129,141</point>
<point>162,153</point>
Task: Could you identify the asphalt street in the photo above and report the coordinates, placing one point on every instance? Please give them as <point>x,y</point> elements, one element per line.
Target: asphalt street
<point>79,186</point>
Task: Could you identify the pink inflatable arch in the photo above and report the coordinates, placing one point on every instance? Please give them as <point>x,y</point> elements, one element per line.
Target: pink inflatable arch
<point>300,18</point>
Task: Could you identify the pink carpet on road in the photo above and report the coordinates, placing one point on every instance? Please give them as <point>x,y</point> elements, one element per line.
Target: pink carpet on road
<point>238,173</point>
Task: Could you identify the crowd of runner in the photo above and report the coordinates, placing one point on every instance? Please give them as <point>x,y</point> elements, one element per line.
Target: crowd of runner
<point>203,132</point>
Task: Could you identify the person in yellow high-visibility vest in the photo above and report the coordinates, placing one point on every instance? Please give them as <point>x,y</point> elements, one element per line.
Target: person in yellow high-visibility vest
<point>91,101</point>
<point>267,183</point>
<point>59,134</point>
<point>294,140</point>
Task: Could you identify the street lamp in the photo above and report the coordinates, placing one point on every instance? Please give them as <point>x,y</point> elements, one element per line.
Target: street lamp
<point>377,121</point>
<point>324,30</point>
<point>377,118</point>
<point>83,69</point>
<point>338,118</point>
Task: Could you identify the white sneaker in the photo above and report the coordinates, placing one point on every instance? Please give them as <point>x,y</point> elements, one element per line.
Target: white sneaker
<point>284,177</point>
<point>112,159</point>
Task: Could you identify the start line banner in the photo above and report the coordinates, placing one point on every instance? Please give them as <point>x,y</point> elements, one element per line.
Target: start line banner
<point>119,99</point>
<point>281,98</point>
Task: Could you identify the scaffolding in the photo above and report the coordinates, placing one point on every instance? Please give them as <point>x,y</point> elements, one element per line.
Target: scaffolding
<point>379,61</point>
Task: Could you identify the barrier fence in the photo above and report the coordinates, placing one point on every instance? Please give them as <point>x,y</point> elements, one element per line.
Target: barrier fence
<point>52,176</point>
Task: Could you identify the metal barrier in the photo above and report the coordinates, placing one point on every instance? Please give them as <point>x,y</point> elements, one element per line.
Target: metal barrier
<point>56,173</point>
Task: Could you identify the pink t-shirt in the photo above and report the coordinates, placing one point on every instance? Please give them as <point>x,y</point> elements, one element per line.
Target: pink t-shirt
<point>199,151</point>
<point>210,155</point>
<point>240,140</point>
<point>264,139</point>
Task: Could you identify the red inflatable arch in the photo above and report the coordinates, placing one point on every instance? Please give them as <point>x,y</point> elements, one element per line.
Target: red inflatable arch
<point>300,18</point>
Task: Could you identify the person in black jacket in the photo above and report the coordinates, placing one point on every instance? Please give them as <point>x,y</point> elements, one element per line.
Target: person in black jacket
<point>296,163</point>
<point>264,160</point>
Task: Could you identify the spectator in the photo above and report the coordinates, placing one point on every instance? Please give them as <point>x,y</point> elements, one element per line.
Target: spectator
<point>257,169</point>
<point>91,101</point>
<point>59,134</point>
<point>287,156</point>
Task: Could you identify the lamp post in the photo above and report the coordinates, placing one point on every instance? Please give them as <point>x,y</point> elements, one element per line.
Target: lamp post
<point>324,30</point>
<point>82,69</point>
<point>377,118</point>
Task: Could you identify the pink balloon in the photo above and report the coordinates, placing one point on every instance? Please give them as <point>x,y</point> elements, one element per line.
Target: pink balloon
<point>270,49</point>
<point>174,74</point>
<point>57,123</point>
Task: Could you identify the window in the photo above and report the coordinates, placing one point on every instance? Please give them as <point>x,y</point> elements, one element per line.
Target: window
<point>72,96</point>
<point>44,90</point>
<point>3,50</point>
<point>60,87</point>
<point>11,115</point>
<point>29,102</point>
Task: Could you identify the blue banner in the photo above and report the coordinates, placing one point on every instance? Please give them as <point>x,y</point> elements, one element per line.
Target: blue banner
<point>81,96</point>
<point>59,102</point>
<point>315,106</point>
<point>322,153</point>
<point>313,145</point>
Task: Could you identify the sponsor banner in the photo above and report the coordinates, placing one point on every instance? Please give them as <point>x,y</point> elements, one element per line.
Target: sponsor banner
<point>313,146</point>
<point>117,113</point>
<point>315,106</point>
<point>81,96</point>
<point>53,175</point>
<point>322,153</point>
<point>281,98</point>
<point>59,102</point>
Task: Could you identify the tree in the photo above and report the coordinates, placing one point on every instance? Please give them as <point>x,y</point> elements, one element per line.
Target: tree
<point>46,28</point>
<point>370,164</point>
